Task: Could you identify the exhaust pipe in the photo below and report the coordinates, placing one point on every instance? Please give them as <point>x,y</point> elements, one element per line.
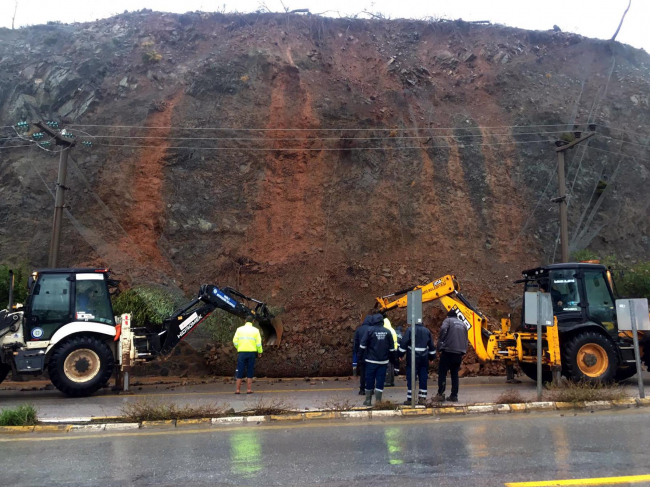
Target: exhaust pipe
<point>11,291</point>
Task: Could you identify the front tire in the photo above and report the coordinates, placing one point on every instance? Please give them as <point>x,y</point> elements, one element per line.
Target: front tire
<point>590,356</point>
<point>81,365</point>
<point>531,371</point>
<point>624,373</point>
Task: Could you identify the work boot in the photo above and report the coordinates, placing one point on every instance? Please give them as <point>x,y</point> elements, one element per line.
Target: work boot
<point>439,398</point>
<point>362,392</point>
<point>378,397</point>
<point>368,401</point>
<point>407,402</point>
<point>422,401</point>
<point>452,399</point>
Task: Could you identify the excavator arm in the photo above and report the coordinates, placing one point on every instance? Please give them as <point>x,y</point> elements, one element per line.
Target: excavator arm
<point>447,291</point>
<point>185,319</point>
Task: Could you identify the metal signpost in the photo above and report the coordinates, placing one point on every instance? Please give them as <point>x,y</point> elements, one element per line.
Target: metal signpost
<point>538,311</point>
<point>413,316</point>
<point>632,315</point>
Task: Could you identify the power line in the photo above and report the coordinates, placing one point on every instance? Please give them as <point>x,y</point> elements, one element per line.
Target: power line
<point>145,127</point>
<point>308,138</point>
<point>14,146</point>
<point>618,154</point>
<point>645,146</point>
<point>324,148</point>
<point>623,130</point>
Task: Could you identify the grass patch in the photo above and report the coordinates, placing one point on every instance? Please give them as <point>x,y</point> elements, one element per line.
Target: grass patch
<point>267,407</point>
<point>386,406</point>
<point>145,410</point>
<point>339,405</point>
<point>585,391</point>
<point>510,397</point>
<point>23,415</point>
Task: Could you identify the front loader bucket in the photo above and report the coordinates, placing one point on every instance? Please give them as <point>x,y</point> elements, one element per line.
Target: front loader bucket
<point>272,330</point>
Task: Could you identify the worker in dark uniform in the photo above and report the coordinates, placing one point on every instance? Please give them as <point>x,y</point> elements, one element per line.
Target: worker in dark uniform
<point>425,351</point>
<point>452,346</point>
<point>361,369</point>
<point>378,350</point>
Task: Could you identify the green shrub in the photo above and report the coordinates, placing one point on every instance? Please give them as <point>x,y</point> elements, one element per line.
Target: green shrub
<point>23,415</point>
<point>632,281</point>
<point>221,326</point>
<point>21,276</point>
<point>148,304</point>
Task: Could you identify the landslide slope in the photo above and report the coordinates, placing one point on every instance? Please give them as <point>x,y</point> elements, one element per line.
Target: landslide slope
<point>317,163</point>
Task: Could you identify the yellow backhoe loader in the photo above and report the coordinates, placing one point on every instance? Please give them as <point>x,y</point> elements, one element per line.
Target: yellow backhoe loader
<point>584,341</point>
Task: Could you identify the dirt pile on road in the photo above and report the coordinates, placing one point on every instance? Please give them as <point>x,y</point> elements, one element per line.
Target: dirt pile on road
<point>316,163</point>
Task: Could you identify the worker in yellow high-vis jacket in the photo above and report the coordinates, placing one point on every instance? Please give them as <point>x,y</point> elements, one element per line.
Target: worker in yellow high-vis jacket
<point>248,342</point>
<point>390,370</point>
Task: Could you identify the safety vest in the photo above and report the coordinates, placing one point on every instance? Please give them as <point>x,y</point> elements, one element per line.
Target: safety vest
<point>247,339</point>
<point>392,332</point>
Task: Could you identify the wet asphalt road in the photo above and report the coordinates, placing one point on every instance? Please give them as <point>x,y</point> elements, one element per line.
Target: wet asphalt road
<point>469,451</point>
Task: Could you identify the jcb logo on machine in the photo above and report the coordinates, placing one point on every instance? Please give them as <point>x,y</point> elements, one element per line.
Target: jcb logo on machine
<point>461,317</point>
<point>438,283</point>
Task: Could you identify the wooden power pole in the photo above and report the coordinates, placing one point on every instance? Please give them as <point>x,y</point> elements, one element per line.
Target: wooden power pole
<point>561,148</point>
<point>66,143</point>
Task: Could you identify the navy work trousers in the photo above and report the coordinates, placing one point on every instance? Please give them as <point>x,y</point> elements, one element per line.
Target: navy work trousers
<point>375,376</point>
<point>421,375</point>
<point>245,364</point>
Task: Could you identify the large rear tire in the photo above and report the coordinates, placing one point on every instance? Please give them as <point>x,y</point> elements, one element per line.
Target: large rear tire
<point>531,371</point>
<point>4,371</point>
<point>81,365</point>
<point>590,356</point>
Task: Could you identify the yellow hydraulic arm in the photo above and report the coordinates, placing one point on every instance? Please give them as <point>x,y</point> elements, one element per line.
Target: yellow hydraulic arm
<point>498,345</point>
<point>446,289</point>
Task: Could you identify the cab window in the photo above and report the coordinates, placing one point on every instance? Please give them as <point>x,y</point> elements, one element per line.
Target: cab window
<point>92,302</point>
<point>51,298</point>
<point>601,304</point>
<point>564,291</point>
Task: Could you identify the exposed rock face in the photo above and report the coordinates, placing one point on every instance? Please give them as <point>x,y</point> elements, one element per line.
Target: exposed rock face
<point>293,203</point>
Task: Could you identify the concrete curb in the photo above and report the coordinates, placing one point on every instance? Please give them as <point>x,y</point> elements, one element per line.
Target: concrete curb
<point>72,425</point>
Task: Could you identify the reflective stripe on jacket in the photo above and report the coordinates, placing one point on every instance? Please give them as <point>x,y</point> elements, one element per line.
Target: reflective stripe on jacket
<point>247,339</point>
<point>424,347</point>
<point>377,345</point>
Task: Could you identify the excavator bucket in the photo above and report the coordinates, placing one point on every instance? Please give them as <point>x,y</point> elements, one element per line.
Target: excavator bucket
<point>271,329</point>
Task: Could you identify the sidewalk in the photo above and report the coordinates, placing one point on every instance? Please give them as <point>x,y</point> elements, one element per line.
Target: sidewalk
<point>313,393</point>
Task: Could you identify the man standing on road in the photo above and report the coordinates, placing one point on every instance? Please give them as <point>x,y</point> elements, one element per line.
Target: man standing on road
<point>377,349</point>
<point>390,370</point>
<point>248,342</point>
<point>361,365</point>
<point>425,351</point>
<point>452,345</point>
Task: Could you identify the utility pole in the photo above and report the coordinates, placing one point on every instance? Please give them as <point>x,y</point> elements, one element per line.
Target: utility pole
<point>66,143</point>
<point>561,148</point>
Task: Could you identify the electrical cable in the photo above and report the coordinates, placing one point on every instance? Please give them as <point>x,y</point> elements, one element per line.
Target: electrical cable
<point>308,138</point>
<point>289,149</point>
<point>478,127</point>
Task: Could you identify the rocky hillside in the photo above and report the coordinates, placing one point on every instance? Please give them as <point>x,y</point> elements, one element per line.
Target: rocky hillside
<point>317,163</point>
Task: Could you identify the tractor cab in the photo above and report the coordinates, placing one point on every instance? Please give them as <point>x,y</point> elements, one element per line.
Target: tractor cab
<point>58,297</point>
<point>581,293</point>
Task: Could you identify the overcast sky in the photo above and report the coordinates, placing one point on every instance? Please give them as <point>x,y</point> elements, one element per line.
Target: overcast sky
<point>594,18</point>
